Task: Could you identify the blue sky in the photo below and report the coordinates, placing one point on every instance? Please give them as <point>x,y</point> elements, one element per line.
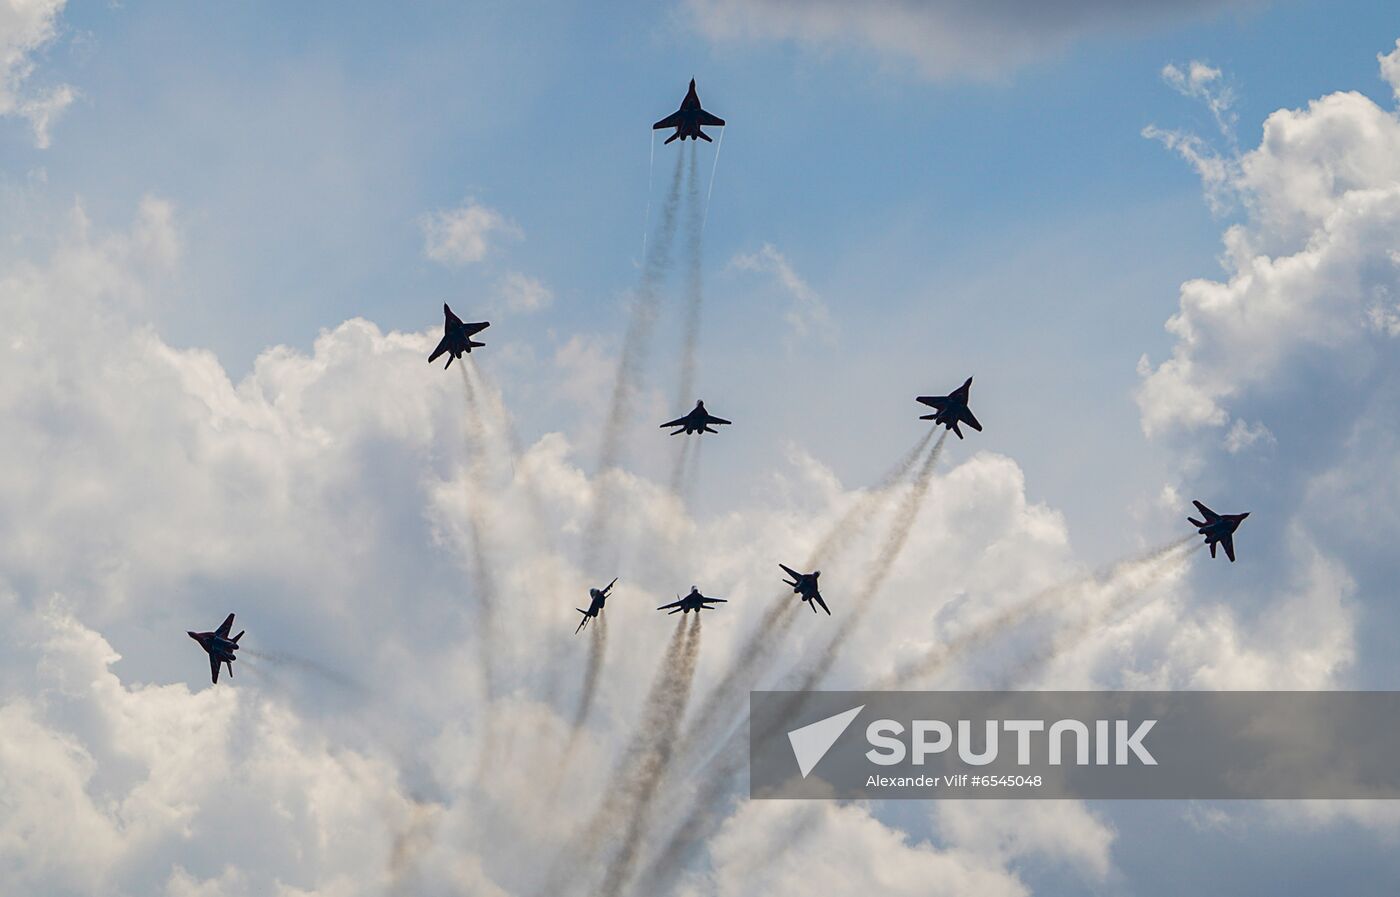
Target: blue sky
<point>996,212</point>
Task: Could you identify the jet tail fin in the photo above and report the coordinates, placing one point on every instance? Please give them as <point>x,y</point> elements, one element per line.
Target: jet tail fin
<point>672,137</point>
<point>1194,522</point>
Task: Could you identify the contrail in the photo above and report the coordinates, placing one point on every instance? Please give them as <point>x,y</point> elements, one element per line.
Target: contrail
<point>858,516</point>
<point>646,219</point>
<point>669,710</point>
<point>695,296</point>
<point>713,168</point>
<point>629,370</point>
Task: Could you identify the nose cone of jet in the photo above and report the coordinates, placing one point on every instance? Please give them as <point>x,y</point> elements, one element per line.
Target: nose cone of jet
<point>191,635</point>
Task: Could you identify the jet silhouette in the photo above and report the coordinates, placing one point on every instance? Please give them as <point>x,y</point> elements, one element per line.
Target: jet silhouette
<point>457,337</point>
<point>219,647</point>
<point>951,410</point>
<point>805,584</point>
<point>599,598</point>
<point>1218,528</point>
<point>688,119</point>
<point>697,421</point>
<point>692,602</point>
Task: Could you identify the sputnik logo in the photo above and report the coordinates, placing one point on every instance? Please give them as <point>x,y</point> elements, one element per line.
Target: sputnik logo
<point>811,742</point>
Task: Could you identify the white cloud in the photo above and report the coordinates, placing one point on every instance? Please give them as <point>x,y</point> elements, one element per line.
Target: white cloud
<point>27,27</point>
<point>329,498</point>
<point>522,293</point>
<point>1323,194</point>
<point>1390,68</point>
<point>807,314</point>
<point>464,235</point>
<point>941,39</point>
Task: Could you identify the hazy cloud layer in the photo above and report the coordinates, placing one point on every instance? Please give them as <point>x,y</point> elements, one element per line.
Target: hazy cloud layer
<point>941,39</point>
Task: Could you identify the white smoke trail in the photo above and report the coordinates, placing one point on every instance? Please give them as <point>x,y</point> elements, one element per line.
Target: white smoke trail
<point>661,711</point>
<point>635,345</point>
<point>1131,574</point>
<point>649,773</point>
<point>725,700</point>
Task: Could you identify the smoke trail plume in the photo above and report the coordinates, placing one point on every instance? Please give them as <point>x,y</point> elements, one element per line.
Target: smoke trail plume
<point>669,709</point>
<point>1117,596</point>
<point>724,700</point>
<point>694,289</point>
<point>409,846</point>
<point>635,345</point>
<point>1128,574</point>
<point>678,467</point>
<point>597,651</point>
<point>306,665</point>
<point>905,516</point>
<point>644,758</point>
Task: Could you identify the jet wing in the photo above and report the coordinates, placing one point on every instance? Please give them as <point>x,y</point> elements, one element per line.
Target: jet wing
<point>711,419</point>
<point>818,598</point>
<point>441,348</point>
<point>1210,515</point>
<point>790,572</point>
<point>967,418</point>
<point>933,401</point>
<point>671,121</point>
<point>1227,542</point>
<point>225,627</point>
<point>713,121</point>
<point>214,669</point>
<point>707,599</point>
<point>474,329</point>
<point>677,603</point>
<point>678,422</point>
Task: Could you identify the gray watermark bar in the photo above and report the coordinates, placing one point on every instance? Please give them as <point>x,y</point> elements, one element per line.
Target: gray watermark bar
<point>1204,745</point>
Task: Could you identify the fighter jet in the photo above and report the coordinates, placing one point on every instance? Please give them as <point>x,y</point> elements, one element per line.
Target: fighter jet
<point>688,119</point>
<point>692,602</point>
<point>697,421</point>
<point>951,409</point>
<point>1218,528</point>
<point>457,336</point>
<point>600,597</point>
<point>219,646</point>
<point>805,584</point>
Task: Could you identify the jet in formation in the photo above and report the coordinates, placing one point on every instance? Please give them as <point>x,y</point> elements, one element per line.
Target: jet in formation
<point>457,336</point>
<point>692,602</point>
<point>1219,529</point>
<point>805,584</point>
<point>951,410</point>
<point>697,421</point>
<point>688,119</point>
<point>599,598</point>
<point>219,646</point>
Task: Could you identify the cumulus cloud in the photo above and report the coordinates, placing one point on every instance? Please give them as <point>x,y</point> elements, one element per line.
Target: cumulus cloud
<point>940,39</point>
<point>27,28</point>
<point>465,235</point>
<point>332,499</point>
<point>523,294</point>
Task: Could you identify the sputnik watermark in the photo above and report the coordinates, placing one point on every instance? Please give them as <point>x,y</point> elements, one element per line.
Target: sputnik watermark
<point>1092,745</point>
